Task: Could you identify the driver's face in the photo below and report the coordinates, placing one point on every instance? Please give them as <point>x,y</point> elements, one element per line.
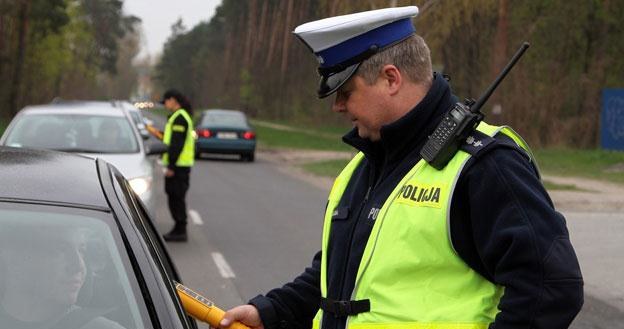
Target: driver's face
<point>54,270</point>
<point>66,271</point>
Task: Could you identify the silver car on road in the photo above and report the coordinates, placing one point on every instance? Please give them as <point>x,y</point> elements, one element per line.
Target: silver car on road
<point>96,129</point>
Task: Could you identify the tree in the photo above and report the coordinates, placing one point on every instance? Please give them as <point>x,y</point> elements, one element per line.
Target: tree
<point>35,19</point>
<point>109,26</point>
<point>552,96</point>
<point>51,48</point>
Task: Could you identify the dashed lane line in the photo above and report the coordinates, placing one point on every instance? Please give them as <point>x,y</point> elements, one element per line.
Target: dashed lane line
<point>222,265</point>
<point>195,217</point>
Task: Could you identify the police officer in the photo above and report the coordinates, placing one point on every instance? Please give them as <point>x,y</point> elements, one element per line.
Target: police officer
<point>179,159</point>
<point>476,244</point>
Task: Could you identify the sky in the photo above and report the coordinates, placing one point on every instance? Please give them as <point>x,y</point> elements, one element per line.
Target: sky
<point>157,16</point>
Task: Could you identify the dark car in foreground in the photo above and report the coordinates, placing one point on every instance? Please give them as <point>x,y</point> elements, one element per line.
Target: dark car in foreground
<point>225,132</point>
<point>78,249</point>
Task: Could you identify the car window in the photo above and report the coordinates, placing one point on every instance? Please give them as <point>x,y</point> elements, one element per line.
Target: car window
<point>65,268</point>
<point>136,117</point>
<point>235,120</point>
<point>74,133</point>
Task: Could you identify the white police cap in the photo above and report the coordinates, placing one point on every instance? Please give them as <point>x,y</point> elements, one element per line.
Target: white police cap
<point>341,43</point>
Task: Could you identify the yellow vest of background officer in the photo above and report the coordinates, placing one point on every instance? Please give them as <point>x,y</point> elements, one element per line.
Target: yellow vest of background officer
<point>187,156</point>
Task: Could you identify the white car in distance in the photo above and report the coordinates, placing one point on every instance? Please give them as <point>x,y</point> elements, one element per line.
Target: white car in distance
<point>94,129</point>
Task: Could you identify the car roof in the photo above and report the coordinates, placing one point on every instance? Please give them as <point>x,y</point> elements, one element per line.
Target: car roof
<point>76,107</point>
<point>222,111</point>
<point>127,105</point>
<point>49,176</point>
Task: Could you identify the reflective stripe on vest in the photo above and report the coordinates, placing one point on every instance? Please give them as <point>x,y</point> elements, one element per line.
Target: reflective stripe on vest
<point>409,270</point>
<point>187,156</point>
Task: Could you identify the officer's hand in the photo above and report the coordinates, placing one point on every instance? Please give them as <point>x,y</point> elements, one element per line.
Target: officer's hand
<point>246,314</point>
<point>169,173</point>
<point>155,132</point>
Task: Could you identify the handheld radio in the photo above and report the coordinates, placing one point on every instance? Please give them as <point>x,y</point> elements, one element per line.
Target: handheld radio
<point>460,121</point>
<point>202,308</point>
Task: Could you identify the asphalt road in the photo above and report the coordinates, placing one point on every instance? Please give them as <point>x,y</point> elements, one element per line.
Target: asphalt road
<point>259,229</point>
<point>253,228</point>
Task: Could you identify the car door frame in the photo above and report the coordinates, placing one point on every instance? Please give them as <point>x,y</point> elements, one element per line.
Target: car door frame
<point>155,278</point>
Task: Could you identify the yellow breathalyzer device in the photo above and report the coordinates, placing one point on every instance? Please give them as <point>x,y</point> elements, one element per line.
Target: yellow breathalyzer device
<point>202,308</point>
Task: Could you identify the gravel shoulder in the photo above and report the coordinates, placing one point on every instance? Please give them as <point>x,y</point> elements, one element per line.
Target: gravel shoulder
<point>589,195</point>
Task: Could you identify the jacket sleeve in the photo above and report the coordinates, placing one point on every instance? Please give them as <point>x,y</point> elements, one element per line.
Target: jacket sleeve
<point>515,238</point>
<point>295,304</point>
<point>178,137</point>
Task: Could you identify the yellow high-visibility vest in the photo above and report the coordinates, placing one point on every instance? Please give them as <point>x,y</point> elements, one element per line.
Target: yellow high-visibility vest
<point>409,270</point>
<point>187,156</point>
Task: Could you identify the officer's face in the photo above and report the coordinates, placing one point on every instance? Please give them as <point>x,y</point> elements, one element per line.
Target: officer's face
<point>171,104</point>
<point>363,105</point>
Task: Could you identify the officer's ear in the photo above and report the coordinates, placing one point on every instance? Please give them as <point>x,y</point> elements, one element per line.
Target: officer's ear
<point>391,78</point>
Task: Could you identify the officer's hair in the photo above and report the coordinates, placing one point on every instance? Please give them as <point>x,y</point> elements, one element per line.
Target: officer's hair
<point>411,57</point>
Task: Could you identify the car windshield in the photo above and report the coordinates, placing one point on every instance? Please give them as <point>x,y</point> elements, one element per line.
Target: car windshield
<point>74,133</point>
<point>136,117</point>
<point>62,268</point>
<point>234,120</point>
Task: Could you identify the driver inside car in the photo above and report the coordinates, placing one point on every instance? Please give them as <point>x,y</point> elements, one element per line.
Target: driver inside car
<point>41,275</point>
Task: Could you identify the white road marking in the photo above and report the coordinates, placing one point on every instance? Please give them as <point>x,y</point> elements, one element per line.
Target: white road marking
<point>224,267</point>
<point>195,217</point>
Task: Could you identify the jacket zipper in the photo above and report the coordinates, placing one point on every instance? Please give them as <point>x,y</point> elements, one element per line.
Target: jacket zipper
<point>357,218</point>
<point>348,258</point>
<point>371,186</point>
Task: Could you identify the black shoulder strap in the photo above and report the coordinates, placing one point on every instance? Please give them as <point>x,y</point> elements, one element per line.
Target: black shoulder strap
<point>477,144</point>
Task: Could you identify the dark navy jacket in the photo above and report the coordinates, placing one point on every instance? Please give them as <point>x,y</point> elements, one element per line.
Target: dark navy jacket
<point>503,225</point>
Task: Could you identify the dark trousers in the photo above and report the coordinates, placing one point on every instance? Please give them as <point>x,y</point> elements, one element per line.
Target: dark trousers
<point>176,188</point>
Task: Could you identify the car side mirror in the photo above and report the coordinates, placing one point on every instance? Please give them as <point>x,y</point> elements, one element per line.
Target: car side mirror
<point>155,148</point>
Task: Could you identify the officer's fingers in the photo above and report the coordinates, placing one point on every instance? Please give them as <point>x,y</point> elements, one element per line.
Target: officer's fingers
<point>246,314</point>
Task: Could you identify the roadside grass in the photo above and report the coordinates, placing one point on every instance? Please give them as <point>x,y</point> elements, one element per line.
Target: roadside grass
<point>3,125</point>
<point>554,186</point>
<point>331,168</point>
<point>279,136</point>
<point>327,168</point>
<point>587,163</point>
<point>330,130</point>
<point>595,164</point>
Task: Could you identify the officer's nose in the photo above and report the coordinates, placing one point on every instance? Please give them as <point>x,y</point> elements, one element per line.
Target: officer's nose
<point>339,104</point>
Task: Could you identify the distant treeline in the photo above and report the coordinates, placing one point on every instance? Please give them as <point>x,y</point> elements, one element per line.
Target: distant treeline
<point>73,49</point>
<point>246,57</point>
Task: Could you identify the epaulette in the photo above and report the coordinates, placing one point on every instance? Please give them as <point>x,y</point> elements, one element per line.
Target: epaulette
<point>477,144</point>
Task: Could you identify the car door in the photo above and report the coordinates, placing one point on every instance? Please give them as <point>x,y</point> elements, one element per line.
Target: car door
<point>157,267</point>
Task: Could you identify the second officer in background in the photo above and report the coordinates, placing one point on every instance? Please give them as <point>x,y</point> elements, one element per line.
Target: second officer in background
<point>178,160</point>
